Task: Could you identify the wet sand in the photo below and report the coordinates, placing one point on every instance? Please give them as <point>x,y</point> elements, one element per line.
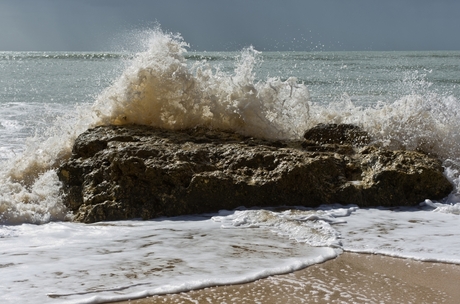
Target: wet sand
<point>350,278</point>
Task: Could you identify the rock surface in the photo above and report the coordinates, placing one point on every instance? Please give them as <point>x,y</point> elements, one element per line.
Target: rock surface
<point>343,134</point>
<point>124,172</point>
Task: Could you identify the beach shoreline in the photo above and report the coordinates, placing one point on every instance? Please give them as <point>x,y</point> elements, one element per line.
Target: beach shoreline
<point>351,277</point>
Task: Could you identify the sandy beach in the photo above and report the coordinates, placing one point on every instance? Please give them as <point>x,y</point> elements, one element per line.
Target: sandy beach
<point>350,278</point>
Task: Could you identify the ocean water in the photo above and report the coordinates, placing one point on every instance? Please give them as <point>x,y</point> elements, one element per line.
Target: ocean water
<point>405,100</point>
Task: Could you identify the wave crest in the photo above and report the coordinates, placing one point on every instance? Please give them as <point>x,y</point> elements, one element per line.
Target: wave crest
<point>160,89</point>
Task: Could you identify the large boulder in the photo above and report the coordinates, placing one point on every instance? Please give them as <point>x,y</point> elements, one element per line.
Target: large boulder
<point>123,172</point>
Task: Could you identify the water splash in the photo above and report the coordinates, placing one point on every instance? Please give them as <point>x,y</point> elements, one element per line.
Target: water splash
<point>30,191</point>
<point>426,122</point>
<point>160,89</point>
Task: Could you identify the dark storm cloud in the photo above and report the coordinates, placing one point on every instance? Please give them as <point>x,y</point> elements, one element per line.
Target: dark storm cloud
<point>231,25</point>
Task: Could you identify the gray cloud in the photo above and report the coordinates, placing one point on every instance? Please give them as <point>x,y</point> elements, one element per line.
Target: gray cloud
<point>231,25</point>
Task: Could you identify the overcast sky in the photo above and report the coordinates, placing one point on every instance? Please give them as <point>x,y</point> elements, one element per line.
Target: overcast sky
<point>215,25</point>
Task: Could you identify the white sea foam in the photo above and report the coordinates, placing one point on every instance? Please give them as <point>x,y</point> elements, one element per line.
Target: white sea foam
<point>403,232</point>
<point>450,207</point>
<point>310,227</point>
<point>77,263</point>
<point>66,262</point>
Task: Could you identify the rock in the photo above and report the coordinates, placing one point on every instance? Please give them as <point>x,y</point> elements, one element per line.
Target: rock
<point>125,172</point>
<point>342,134</point>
